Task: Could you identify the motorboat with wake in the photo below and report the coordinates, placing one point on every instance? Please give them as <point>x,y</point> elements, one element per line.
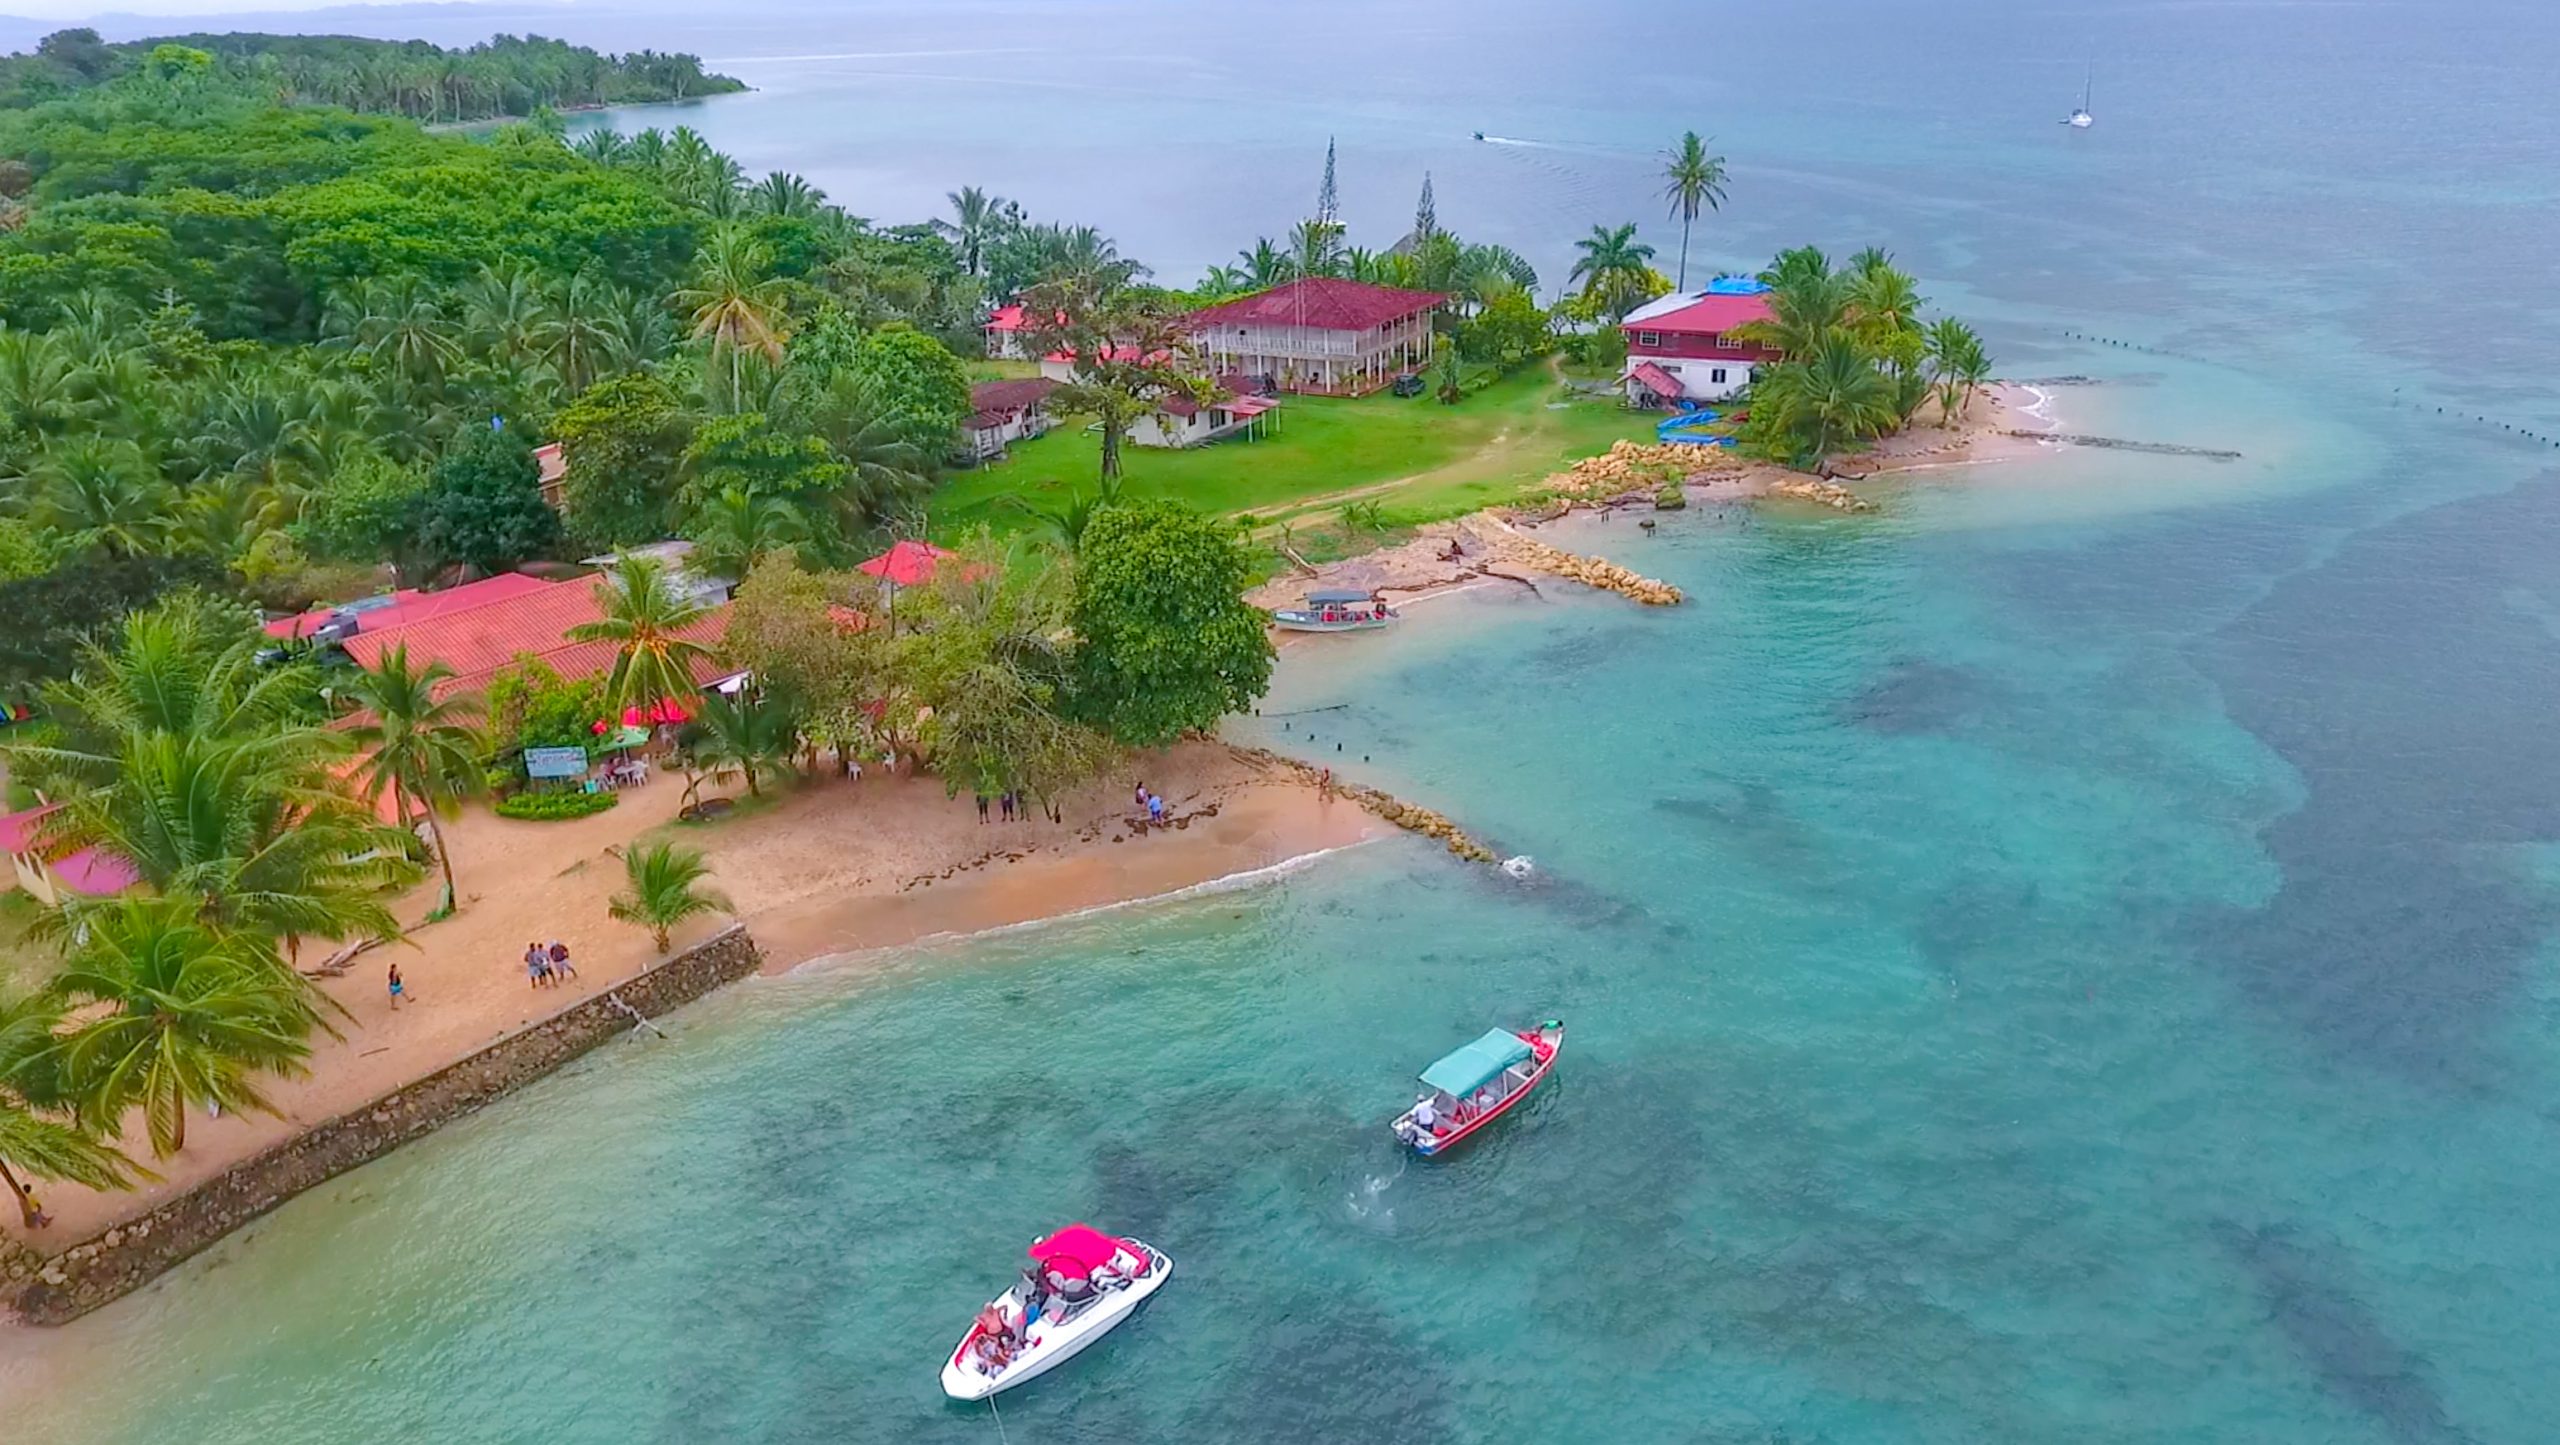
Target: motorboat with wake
<point>1344,610</point>
<point>1472,1087</point>
<point>2080,118</point>
<point>1080,1285</point>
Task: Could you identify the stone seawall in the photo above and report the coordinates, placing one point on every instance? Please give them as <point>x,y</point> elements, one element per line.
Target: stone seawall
<point>131,1255</point>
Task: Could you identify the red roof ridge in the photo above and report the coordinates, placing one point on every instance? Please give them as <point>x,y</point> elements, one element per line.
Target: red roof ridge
<point>1323,303</point>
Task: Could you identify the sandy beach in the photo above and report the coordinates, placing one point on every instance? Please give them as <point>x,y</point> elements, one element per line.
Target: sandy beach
<point>822,867</point>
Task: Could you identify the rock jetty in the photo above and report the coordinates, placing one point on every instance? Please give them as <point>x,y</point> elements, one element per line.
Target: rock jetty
<point>1822,493</point>
<point>1408,816</point>
<point>1608,576</point>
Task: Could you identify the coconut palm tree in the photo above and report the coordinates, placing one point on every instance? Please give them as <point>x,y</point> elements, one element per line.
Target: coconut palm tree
<point>38,1135</point>
<point>1693,180</point>
<point>180,754</point>
<point>781,193</point>
<point>102,492</point>
<point>1958,366</point>
<point>745,735</point>
<point>1266,265</point>
<point>735,530</point>
<point>976,217</point>
<point>645,618</point>
<point>1884,307</point>
<point>39,390</point>
<point>888,458</point>
<point>498,310</point>
<point>172,1015</point>
<point>603,145</point>
<point>1064,524</point>
<point>735,303</point>
<point>416,746</point>
<point>400,322</point>
<point>1830,399</point>
<point>1614,268</point>
<point>666,889</point>
<point>1315,247</point>
<point>580,329</point>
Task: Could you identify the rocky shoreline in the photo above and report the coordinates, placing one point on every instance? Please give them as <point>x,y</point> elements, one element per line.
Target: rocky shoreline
<point>38,1290</point>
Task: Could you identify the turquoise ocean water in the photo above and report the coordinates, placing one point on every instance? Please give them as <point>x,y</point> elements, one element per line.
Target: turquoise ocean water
<point>2070,958</point>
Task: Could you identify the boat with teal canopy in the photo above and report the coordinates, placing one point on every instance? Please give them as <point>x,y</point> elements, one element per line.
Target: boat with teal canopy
<point>1463,1071</point>
<point>1471,1087</point>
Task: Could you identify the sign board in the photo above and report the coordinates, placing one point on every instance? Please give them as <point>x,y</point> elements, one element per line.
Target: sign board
<point>555,762</point>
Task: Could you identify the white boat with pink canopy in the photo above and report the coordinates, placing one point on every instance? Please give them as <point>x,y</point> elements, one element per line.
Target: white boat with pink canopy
<point>1081,1284</point>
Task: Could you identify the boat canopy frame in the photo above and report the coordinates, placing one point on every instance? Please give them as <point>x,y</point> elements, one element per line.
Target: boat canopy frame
<point>1463,1071</point>
<point>1337,597</point>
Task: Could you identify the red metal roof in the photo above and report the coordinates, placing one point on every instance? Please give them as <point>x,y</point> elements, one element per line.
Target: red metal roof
<point>478,641</point>
<point>1656,379</point>
<point>1325,303</point>
<point>1703,315</point>
<point>907,563</point>
<point>995,402</point>
<point>1006,318</point>
<point>18,830</point>
<point>97,873</point>
<point>411,605</point>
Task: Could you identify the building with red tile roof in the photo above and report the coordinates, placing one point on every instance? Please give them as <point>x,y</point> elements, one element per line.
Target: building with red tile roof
<point>87,871</point>
<point>1685,342</point>
<point>1320,333</point>
<point>393,609</point>
<point>1004,412</point>
<point>476,642</point>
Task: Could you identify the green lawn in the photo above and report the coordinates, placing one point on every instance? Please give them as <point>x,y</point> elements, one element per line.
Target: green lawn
<point>1419,459</point>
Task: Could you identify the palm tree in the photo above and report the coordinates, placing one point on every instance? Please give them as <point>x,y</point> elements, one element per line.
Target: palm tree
<point>1315,247</point>
<point>579,329</point>
<point>416,745</point>
<point>735,303</point>
<point>886,454</point>
<point>665,890</point>
<point>101,492</point>
<point>645,618</point>
<point>1614,268</point>
<point>1884,304</point>
<point>1694,181</point>
<point>1957,364</point>
<point>182,755</point>
<point>976,217</point>
<point>744,735</point>
<point>1265,266</point>
<point>1834,397</point>
<point>173,1014</point>
<point>735,530</point>
<point>38,386</point>
<point>1807,304</point>
<point>1065,523</point>
<point>401,322</point>
<point>783,194</point>
<point>36,1137</point>
<point>604,146</point>
<point>498,309</point>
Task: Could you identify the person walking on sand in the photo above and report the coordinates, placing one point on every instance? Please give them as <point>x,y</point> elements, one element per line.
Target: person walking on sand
<point>29,1211</point>
<point>399,989</point>
<point>1155,809</point>
<point>561,967</point>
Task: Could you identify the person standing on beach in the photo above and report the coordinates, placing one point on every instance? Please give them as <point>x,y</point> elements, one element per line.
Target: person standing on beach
<point>982,810</point>
<point>1004,805</point>
<point>1155,808</point>
<point>399,989</point>
<point>29,1211</point>
<point>537,966</point>
<point>561,967</point>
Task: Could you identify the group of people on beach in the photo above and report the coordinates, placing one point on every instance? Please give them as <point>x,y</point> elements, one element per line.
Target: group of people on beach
<point>1150,807</point>
<point>1015,807</point>
<point>546,966</point>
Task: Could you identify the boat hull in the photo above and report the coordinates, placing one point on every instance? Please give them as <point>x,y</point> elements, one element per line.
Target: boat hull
<point>962,1380</point>
<point>1288,622</point>
<point>1431,1147</point>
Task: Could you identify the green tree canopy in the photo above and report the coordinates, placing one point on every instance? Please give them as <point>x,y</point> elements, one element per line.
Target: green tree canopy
<point>1166,642</point>
<point>483,504</point>
<point>623,440</point>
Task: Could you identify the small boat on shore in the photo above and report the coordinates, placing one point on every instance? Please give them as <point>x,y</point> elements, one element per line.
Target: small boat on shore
<point>1472,1087</point>
<point>1336,611</point>
<point>1079,1287</point>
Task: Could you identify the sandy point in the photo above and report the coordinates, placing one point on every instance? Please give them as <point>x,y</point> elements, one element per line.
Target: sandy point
<point>817,866</point>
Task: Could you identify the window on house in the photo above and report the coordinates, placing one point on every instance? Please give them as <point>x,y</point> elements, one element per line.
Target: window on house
<point>1727,343</point>
<point>1648,338</point>
<point>1718,375</point>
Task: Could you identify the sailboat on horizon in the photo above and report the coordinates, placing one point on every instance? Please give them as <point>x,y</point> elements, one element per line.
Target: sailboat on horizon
<point>2080,118</point>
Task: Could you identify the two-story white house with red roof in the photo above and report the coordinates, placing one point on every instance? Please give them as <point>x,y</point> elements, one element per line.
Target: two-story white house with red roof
<point>1682,347</point>
<point>1319,334</point>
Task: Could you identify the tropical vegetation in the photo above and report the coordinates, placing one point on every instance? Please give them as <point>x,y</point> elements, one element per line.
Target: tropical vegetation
<point>665,888</point>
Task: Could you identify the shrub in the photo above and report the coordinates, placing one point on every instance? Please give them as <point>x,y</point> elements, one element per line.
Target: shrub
<point>554,807</point>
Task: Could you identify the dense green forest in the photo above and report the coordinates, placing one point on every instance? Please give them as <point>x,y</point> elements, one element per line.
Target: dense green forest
<point>505,76</point>
<point>269,348</point>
